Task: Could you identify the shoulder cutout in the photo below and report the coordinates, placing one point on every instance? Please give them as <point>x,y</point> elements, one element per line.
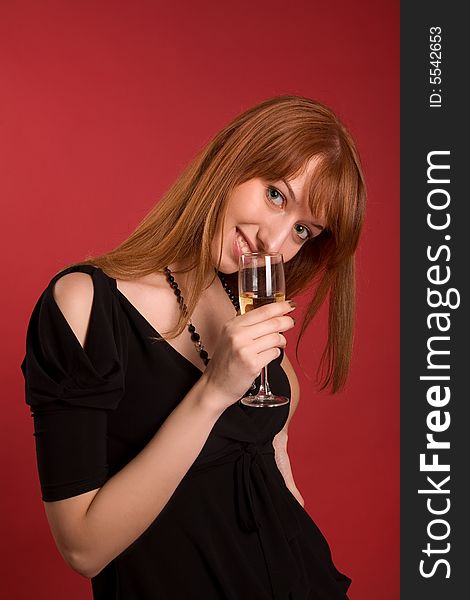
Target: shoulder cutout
<point>76,343</point>
<point>73,294</point>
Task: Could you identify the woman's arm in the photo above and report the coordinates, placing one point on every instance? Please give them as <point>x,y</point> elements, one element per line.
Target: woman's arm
<point>280,440</point>
<point>92,528</point>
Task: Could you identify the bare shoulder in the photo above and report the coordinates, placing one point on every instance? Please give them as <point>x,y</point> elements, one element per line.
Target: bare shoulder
<point>73,294</point>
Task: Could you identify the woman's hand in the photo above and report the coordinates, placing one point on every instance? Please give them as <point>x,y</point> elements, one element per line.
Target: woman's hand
<point>247,344</point>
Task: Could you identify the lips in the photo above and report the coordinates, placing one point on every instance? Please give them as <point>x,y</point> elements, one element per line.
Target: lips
<point>241,244</point>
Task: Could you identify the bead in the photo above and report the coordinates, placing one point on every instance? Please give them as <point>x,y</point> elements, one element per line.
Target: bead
<point>192,330</point>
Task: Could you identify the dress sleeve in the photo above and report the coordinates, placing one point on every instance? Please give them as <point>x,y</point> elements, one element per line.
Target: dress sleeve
<point>70,389</point>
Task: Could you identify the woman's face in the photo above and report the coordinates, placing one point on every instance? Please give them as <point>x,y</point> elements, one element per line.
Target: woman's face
<point>267,216</point>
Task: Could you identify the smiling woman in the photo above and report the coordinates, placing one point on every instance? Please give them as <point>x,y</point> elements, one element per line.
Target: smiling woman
<point>149,464</point>
<point>262,219</point>
<point>289,143</point>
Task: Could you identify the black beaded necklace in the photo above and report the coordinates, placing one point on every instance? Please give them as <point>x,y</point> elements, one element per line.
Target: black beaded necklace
<point>196,338</point>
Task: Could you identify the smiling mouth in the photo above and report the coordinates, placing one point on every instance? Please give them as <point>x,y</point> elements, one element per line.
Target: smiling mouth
<point>242,242</point>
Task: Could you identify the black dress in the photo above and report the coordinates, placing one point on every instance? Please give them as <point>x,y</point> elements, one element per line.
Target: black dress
<point>232,530</point>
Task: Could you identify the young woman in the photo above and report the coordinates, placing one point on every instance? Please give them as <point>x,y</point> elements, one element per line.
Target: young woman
<point>157,482</point>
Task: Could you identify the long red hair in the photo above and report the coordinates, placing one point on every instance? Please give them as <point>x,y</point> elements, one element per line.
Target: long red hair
<point>272,140</point>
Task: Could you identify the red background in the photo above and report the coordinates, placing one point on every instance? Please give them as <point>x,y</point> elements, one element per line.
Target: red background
<point>104,103</point>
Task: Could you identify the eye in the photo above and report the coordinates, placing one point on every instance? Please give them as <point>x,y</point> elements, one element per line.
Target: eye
<point>304,232</point>
<point>274,194</point>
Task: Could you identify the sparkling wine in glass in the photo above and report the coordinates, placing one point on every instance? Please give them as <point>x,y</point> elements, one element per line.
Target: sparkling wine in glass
<point>261,281</point>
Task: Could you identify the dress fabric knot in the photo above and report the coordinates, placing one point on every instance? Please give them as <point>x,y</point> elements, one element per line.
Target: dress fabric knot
<point>248,462</point>
<point>263,507</point>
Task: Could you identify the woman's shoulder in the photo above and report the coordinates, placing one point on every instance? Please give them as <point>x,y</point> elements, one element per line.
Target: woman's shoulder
<point>77,293</point>
<point>76,342</point>
<point>73,292</point>
<point>78,272</point>
<point>80,283</point>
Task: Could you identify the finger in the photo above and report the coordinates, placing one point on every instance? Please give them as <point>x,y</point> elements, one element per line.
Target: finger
<point>268,356</point>
<point>276,324</point>
<point>266,342</point>
<point>267,311</point>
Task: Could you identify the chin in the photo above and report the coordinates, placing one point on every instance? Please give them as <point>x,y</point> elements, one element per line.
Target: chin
<point>228,264</point>
<point>227,270</point>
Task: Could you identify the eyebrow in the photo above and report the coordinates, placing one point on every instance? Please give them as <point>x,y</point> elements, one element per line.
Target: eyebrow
<point>292,195</point>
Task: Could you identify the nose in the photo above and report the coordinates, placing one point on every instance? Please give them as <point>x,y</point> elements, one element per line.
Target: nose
<point>272,236</point>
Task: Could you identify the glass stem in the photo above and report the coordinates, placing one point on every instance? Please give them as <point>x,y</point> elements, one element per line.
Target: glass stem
<point>264,389</point>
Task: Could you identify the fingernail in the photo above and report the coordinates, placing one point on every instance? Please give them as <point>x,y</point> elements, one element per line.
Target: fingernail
<point>292,303</point>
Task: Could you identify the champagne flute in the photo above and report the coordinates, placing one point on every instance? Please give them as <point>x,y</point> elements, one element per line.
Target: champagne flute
<point>261,281</point>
